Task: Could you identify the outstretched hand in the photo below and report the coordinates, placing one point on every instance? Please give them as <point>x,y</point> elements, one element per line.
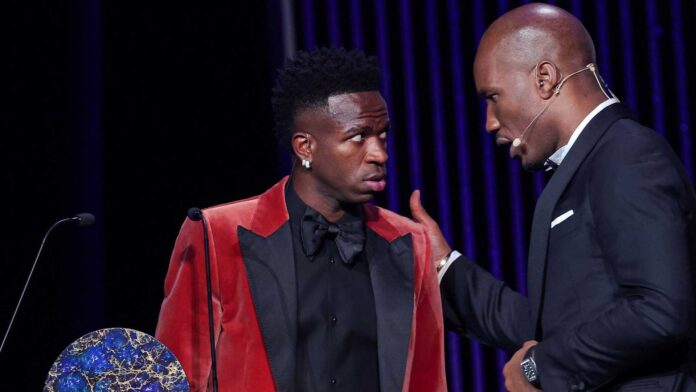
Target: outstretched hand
<point>438,243</point>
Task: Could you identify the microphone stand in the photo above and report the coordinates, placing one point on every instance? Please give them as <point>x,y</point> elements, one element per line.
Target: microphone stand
<point>83,219</point>
<point>195,214</point>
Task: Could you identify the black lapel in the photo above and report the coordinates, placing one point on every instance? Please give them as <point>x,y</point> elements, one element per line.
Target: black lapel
<point>391,274</point>
<point>541,224</point>
<point>270,267</point>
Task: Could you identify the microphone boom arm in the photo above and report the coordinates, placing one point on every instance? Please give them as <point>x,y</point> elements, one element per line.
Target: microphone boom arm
<point>83,219</point>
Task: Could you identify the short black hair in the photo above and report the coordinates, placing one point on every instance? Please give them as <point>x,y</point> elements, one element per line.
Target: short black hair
<point>310,78</point>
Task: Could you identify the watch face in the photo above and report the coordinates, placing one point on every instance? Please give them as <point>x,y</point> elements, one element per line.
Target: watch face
<point>529,371</point>
<point>116,359</point>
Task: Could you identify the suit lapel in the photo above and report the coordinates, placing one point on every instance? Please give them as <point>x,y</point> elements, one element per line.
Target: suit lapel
<point>541,223</point>
<point>391,262</point>
<point>268,258</point>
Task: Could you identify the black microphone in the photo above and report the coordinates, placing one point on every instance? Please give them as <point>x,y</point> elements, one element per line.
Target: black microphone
<point>81,219</point>
<point>195,214</point>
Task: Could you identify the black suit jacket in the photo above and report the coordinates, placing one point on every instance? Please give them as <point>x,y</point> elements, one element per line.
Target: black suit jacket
<point>611,287</point>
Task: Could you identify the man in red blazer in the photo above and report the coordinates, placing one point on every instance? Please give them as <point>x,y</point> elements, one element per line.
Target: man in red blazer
<point>313,289</point>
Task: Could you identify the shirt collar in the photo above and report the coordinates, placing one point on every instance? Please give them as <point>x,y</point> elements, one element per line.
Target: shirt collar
<point>557,157</point>
<point>297,207</point>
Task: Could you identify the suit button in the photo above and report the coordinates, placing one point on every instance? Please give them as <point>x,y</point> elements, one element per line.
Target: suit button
<point>332,260</point>
<point>332,381</point>
<point>333,319</point>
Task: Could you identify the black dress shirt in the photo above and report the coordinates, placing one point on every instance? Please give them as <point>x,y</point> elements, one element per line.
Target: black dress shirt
<point>337,324</point>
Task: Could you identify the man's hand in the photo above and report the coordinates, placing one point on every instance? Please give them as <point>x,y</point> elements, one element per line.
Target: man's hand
<point>438,243</point>
<point>514,379</point>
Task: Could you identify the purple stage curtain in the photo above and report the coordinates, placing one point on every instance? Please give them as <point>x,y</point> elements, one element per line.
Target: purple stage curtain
<point>483,201</point>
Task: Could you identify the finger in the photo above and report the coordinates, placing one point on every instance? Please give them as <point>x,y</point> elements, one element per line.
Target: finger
<point>530,343</point>
<point>414,202</point>
<point>417,211</point>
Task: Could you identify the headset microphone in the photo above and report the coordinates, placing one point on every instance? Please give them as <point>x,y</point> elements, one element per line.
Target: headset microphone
<point>557,90</point>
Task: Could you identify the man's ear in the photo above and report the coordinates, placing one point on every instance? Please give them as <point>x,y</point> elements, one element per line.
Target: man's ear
<point>302,145</point>
<point>546,76</point>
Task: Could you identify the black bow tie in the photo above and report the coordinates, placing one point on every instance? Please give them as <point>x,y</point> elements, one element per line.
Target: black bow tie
<point>347,233</point>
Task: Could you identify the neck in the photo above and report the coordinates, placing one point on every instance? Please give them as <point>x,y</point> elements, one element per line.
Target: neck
<point>579,107</point>
<point>312,194</point>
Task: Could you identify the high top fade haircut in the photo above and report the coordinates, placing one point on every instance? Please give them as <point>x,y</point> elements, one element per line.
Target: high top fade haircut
<point>310,78</point>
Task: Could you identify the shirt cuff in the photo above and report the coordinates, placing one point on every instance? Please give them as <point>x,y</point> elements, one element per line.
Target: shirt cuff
<point>450,259</point>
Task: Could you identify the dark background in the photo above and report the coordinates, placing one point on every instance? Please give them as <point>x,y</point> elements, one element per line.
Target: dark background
<point>183,94</point>
<point>137,110</point>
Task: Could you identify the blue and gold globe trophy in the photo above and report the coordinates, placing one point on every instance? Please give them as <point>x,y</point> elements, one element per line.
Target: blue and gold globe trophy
<point>116,359</point>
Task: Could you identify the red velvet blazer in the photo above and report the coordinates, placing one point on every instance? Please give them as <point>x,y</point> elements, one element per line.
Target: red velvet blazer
<point>255,300</point>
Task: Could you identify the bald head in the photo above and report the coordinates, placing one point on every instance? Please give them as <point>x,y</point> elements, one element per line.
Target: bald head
<point>535,32</point>
<point>523,60</point>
